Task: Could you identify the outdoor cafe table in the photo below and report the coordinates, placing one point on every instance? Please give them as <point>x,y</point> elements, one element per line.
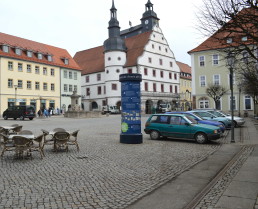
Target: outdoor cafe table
<point>7,128</point>
<point>30,136</point>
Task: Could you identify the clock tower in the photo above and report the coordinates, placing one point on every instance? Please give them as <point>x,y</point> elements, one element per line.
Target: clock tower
<point>149,17</point>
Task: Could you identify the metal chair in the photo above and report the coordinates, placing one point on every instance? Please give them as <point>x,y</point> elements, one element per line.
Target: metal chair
<point>61,140</point>
<point>73,139</point>
<point>7,144</point>
<point>38,145</point>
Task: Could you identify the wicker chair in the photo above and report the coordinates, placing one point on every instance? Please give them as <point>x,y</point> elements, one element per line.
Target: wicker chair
<point>7,144</point>
<point>15,130</point>
<point>22,145</point>
<point>38,145</point>
<point>61,140</point>
<point>59,129</point>
<point>25,132</point>
<point>73,139</point>
<point>48,139</point>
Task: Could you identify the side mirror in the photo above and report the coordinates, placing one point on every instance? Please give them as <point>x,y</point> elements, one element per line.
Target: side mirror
<point>187,124</point>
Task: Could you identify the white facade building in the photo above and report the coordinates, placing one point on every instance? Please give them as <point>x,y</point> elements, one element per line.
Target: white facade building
<point>140,49</point>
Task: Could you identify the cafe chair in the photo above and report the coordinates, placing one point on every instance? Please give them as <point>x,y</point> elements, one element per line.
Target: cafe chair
<point>7,144</point>
<point>58,129</point>
<point>25,132</point>
<point>61,140</point>
<point>15,130</point>
<point>73,139</point>
<point>38,145</point>
<point>22,146</point>
<point>47,138</point>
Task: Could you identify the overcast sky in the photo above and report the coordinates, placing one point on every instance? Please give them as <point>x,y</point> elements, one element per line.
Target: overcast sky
<point>82,24</point>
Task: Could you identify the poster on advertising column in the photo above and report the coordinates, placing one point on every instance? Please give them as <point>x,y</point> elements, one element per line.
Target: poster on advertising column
<point>131,108</point>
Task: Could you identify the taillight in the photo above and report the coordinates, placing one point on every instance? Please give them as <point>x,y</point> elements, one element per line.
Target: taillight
<point>26,113</point>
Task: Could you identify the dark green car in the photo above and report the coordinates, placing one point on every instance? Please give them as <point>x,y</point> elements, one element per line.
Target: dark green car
<point>180,127</point>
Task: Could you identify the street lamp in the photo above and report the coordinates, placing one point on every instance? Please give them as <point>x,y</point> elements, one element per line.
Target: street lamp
<point>15,87</point>
<point>230,64</point>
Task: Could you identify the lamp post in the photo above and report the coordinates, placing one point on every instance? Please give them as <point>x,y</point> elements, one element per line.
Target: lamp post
<point>231,63</point>
<point>15,87</point>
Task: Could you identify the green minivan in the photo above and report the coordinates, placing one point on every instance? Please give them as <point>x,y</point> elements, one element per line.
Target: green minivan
<point>179,126</point>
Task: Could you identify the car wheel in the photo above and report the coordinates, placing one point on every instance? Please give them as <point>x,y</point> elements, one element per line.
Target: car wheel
<point>31,118</point>
<point>21,118</point>
<point>14,118</point>
<point>154,135</point>
<point>200,138</point>
<point>5,117</point>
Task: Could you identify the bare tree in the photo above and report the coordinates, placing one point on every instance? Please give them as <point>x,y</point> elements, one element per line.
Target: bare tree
<point>216,92</point>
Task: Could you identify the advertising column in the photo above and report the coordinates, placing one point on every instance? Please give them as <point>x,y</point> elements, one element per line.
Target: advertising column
<point>131,108</point>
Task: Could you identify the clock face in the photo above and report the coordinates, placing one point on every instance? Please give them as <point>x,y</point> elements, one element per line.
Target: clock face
<point>146,22</point>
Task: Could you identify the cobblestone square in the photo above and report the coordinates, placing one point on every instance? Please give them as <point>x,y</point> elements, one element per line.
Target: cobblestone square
<point>104,174</point>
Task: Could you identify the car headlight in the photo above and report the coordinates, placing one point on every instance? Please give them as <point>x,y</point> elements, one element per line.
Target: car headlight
<point>215,131</point>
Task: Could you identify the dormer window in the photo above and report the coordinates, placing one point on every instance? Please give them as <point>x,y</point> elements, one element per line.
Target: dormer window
<point>66,61</point>
<point>5,48</point>
<point>229,40</point>
<point>40,56</point>
<point>49,58</point>
<point>17,51</point>
<point>244,38</point>
<point>29,53</point>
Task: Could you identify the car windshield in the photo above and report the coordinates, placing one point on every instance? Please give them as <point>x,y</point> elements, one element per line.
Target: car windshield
<point>204,114</point>
<point>216,113</point>
<point>191,119</point>
<point>163,105</point>
<point>197,116</point>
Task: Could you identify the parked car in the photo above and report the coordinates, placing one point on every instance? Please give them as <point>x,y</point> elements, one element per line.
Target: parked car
<point>201,120</point>
<point>21,112</point>
<point>180,126</point>
<point>236,120</point>
<point>208,116</point>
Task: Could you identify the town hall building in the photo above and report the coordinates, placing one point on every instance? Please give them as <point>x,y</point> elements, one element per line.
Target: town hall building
<point>139,49</point>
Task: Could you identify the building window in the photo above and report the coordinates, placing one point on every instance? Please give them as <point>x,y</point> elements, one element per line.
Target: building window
<point>18,51</point>
<point>44,71</point>
<point>146,86</point>
<point>248,103</point>
<point>20,85</point>
<point>201,61</point>
<point>87,91</point>
<point>202,81</point>
<point>29,54</point>
<point>99,90</point>
<point>70,75</point>
<point>45,86</point>
<point>37,85</point>
<point>66,61</point>
<point>229,40</point>
<point>154,87</point>
<point>65,88</point>
<point>149,59</point>
<point>244,38</point>
<point>75,75</point>
<point>40,56</point>
<point>52,71</point>
<point>114,86</point>
<point>87,79</point>
<point>153,46</point>
<point>104,89</point>
<point>171,64</point>
<point>171,89</point>
<point>10,65</point>
<point>117,70</point>
<point>161,74</point>
<point>5,48</point>
<point>28,68</point>
<point>170,75</point>
<point>10,83</point>
<point>98,77</point>
<point>28,84</point>
<point>234,103</point>
<point>162,87</point>
<point>203,104</point>
<point>216,79</point>
<point>52,87</point>
<point>75,88</point>
<point>65,73</point>
<point>175,76</point>
<point>154,73</point>
<point>215,59</point>
<point>49,58</point>
<point>176,90</point>
<point>145,71</point>
<point>37,69</point>
<point>20,67</point>
<point>70,88</point>
<point>160,61</point>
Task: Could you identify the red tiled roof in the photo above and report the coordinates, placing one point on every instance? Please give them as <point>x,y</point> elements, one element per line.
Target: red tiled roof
<point>92,60</point>
<point>219,39</point>
<point>184,68</point>
<point>27,45</point>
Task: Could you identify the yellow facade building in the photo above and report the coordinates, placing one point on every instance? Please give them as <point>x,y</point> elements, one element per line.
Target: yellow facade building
<point>30,73</point>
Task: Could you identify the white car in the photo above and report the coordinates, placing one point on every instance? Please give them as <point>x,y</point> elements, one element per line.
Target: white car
<point>237,120</point>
